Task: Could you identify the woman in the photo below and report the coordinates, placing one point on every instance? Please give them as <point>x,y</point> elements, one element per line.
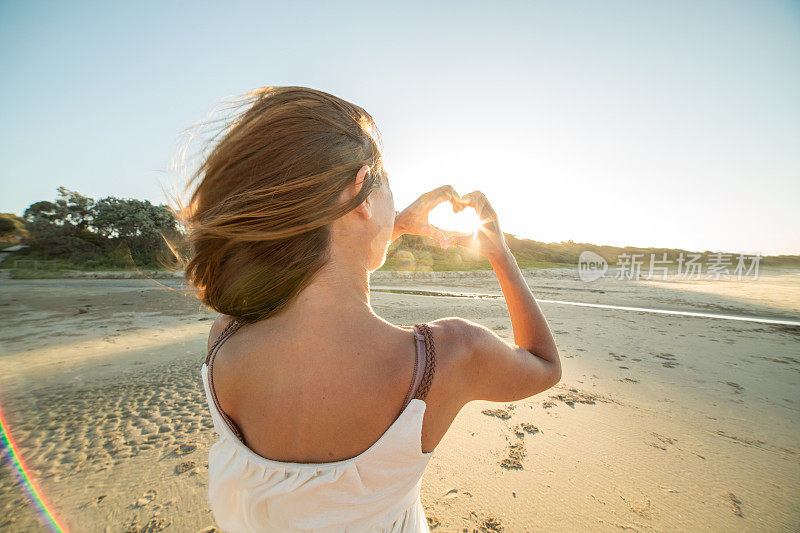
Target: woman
<point>327,414</point>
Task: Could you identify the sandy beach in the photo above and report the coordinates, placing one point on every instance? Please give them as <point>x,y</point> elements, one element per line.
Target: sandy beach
<point>660,422</point>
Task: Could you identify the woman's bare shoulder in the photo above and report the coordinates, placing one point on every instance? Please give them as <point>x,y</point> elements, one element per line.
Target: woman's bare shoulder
<point>452,344</point>
<point>449,389</point>
<point>455,332</point>
<point>219,325</point>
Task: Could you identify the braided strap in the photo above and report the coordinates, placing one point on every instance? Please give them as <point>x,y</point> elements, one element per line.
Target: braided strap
<point>233,324</point>
<point>430,362</point>
<point>229,330</point>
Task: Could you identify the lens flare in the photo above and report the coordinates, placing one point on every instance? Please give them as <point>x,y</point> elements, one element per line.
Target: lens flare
<point>25,479</point>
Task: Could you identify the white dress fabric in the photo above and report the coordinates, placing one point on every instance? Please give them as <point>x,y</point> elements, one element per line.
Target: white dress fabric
<point>378,490</point>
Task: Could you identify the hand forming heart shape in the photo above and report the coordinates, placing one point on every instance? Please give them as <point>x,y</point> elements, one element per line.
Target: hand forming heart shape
<point>486,238</point>
<point>414,218</point>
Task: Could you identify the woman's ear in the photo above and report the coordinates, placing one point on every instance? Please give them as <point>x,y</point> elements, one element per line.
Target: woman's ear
<point>365,207</point>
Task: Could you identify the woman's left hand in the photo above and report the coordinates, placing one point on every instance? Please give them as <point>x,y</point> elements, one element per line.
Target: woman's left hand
<point>414,218</point>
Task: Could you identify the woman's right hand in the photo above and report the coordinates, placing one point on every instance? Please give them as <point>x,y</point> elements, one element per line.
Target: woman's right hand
<point>414,218</point>
<point>488,240</point>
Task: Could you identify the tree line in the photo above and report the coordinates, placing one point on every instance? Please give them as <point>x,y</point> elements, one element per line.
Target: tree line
<point>125,233</point>
<point>79,230</point>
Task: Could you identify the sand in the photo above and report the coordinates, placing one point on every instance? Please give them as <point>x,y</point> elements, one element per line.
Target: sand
<point>660,422</point>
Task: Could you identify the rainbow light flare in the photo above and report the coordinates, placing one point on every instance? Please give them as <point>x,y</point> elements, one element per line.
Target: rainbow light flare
<point>22,472</point>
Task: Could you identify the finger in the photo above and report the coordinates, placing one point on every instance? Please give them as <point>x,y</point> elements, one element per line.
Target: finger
<point>443,194</point>
<point>438,236</point>
<point>462,202</point>
<point>482,206</point>
<point>475,200</point>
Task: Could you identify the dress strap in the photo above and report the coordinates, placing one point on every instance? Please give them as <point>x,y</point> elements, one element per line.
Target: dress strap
<point>424,364</point>
<point>229,330</point>
<point>430,362</point>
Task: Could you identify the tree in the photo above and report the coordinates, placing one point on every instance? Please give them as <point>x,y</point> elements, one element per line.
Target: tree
<point>138,224</point>
<point>74,208</point>
<point>115,217</point>
<point>41,212</point>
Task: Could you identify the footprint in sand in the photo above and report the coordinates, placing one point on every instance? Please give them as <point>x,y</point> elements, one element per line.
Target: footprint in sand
<point>617,357</point>
<point>154,524</point>
<point>756,443</point>
<point>737,389</point>
<point>524,427</point>
<point>736,504</point>
<point>450,494</point>
<point>433,522</point>
<point>499,413</point>
<point>148,497</point>
<point>185,466</point>
<point>669,360</point>
<point>662,441</point>
<point>485,523</point>
<point>573,396</point>
<point>184,449</point>
<point>645,510</point>
<point>516,452</point>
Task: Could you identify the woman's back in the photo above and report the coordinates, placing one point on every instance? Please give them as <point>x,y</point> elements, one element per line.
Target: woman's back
<point>376,489</point>
<point>321,394</point>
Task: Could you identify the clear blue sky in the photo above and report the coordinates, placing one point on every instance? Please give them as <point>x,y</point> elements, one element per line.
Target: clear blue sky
<point>643,123</point>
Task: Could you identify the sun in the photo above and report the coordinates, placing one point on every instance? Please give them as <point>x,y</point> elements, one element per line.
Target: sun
<point>467,221</point>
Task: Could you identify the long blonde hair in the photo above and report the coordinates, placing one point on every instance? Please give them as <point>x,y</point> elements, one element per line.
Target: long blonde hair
<point>258,220</point>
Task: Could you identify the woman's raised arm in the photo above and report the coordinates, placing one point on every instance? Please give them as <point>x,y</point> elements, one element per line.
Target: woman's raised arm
<point>496,370</point>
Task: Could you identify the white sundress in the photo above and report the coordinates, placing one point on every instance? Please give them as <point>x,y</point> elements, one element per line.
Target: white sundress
<point>378,490</point>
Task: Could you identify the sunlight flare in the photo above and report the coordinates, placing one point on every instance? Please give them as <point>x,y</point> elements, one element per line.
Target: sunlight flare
<point>467,221</point>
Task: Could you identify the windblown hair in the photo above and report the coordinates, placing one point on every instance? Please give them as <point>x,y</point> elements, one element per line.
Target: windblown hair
<point>258,221</point>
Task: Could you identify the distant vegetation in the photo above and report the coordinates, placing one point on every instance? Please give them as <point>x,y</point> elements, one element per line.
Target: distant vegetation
<point>411,252</point>
<point>12,229</point>
<point>78,232</point>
